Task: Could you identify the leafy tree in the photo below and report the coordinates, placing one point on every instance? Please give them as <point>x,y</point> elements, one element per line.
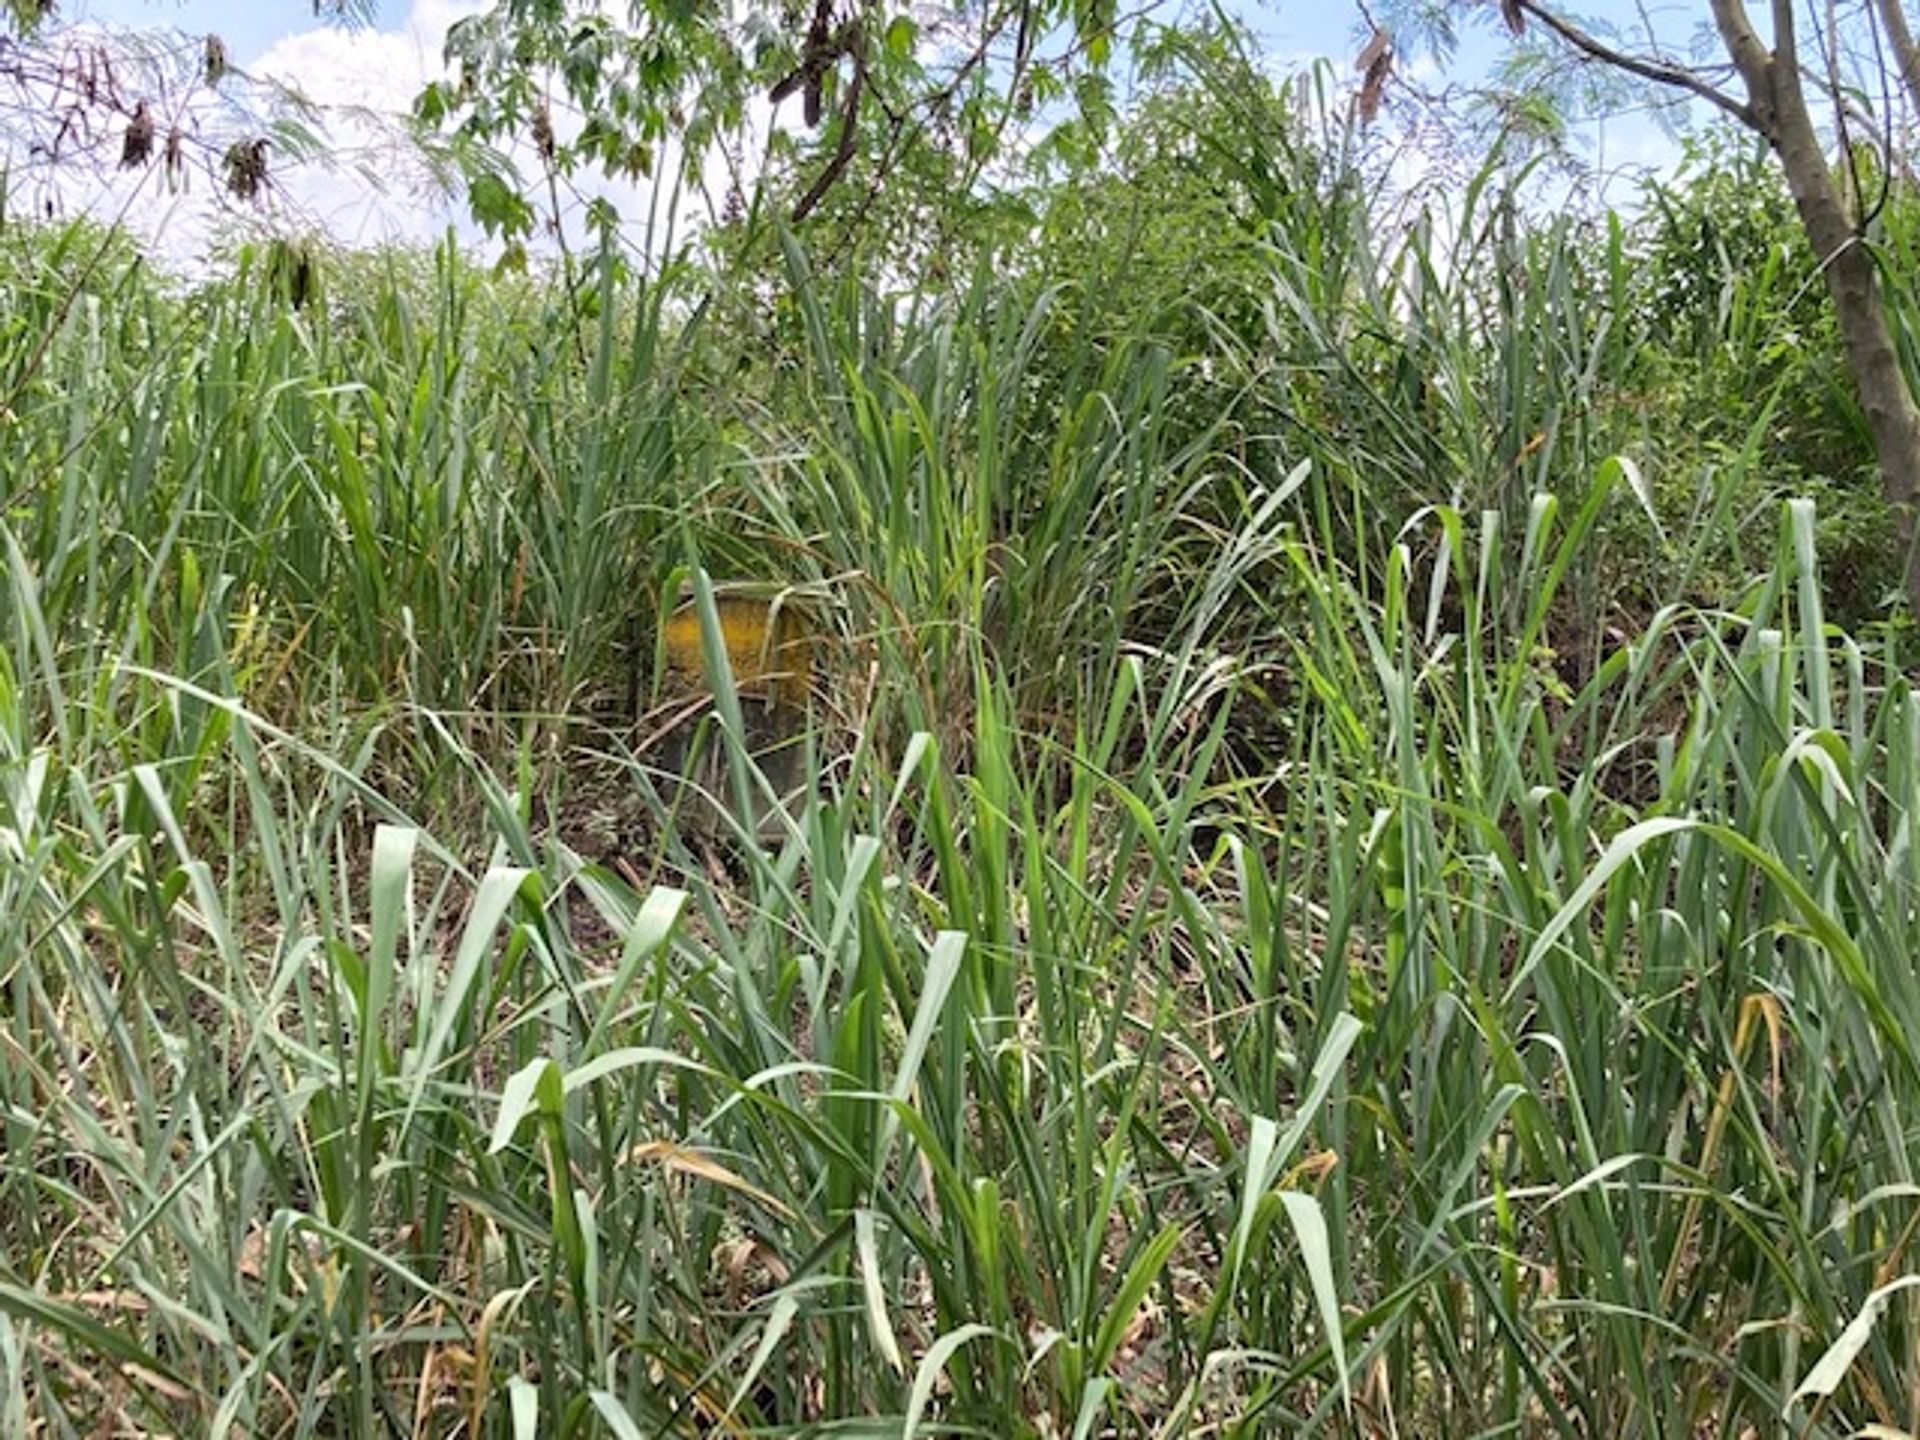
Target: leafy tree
<point>1735,367</point>
<point>894,116</point>
<point>1851,67</point>
<point>870,96</point>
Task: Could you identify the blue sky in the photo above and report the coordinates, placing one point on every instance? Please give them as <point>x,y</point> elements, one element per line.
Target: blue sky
<point>252,28</point>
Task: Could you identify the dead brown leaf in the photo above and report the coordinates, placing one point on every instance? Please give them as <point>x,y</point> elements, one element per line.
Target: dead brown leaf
<point>669,1156</point>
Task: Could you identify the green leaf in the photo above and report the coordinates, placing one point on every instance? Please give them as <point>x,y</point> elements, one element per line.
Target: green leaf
<point>523,1400</point>
<point>651,929</point>
<point>786,1309</point>
<point>519,1099</point>
<point>943,965</point>
<point>614,1061</point>
<point>1622,468</point>
<point>1310,1228</point>
<point>430,106</point>
<point>1625,848</point>
<point>1831,1368</point>
<point>497,207</point>
<point>1267,1154</point>
<point>102,1340</point>
<point>497,891</point>
<point>623,1425</point>
<point>390,901</point>
<point>874,1292</point>
<point>1139,1279</point>
<point>927,1374</point>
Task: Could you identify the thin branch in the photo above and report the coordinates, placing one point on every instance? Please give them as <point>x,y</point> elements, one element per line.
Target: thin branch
<point>1646,67</point>
<point>1870,213</point>
<point>1905,55</point>
<point>849,137</point>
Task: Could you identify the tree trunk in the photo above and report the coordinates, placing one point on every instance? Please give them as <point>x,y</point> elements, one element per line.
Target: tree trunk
<point>1779,110</point>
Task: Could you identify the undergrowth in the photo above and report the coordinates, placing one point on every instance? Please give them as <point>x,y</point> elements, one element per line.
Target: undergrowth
<point>1260,944</point>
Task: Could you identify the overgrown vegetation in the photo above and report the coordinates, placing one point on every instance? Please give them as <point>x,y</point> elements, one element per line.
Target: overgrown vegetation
<point>1355,872</point>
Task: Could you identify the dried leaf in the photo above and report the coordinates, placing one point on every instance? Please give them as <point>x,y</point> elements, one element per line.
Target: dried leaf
<point>1380,43</point>
<point>174,1391</point>
<point>1515,17</point>
<point>246,168</point>
<point>750,1259</point>
<point>1379,70</point>
<point>139,142</point>
<point>670,1156</point>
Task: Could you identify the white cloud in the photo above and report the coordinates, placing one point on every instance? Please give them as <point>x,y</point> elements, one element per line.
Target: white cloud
<point>378,189</point>
<point>365,183</point>
<point>375,188</point>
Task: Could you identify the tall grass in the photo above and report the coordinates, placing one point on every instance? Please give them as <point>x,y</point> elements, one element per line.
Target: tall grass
<point>1241,964</point>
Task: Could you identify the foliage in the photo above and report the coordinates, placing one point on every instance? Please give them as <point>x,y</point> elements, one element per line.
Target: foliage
<point>898,103</point>
<point>1838,172</point>
<point>1268,938</point>
<point>1728,299</point>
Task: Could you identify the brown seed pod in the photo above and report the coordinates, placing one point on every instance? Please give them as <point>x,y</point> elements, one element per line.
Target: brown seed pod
<point>245,164</point>
<point>138,145</point>
<point>1376,64</point>
<point>216,60</point>
<point>173,157</point>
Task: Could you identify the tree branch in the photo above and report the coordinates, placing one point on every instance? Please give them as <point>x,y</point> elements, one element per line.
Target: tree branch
<point>849,137</point>
<point>1905,55</point>
<point>1750,57</point>
<point>1647,68</point>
